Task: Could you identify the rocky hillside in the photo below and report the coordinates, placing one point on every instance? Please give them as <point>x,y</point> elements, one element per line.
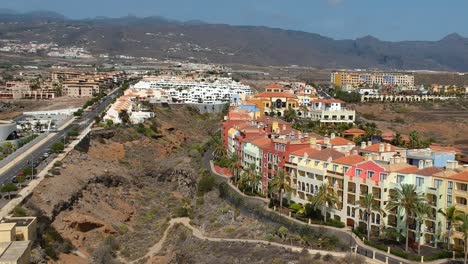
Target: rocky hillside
<point>161,38</point>
<point>120,194</point>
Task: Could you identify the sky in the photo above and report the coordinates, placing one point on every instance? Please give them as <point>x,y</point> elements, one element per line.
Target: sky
<point>391,20</point>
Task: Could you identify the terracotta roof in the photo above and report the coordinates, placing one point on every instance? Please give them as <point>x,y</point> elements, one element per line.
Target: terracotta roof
<point>273,86</point>
<point>354,131</point>
<point>408,170</point>
<point>261,142</point>
<point>349,160</point>
<point>399,167</point>
<point>375,148</point>
<point>270,120</point>
<point>325,154</point>
<point>436,147</point>
<point>339,141</point>
<point>302,152</point>
<point>429,171</point>
<point>276,94</point>
<point>462,176</point>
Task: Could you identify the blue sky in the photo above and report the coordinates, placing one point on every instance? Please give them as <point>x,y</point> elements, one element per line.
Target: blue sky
<point>392,20</point>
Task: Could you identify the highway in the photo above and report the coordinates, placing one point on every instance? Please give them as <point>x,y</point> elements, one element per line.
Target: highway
<point>37,155</point>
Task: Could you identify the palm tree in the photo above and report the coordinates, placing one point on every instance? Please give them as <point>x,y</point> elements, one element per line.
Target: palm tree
<point>253,176</point>
<point>367,203</point>
<point>406,198</point>
<point>280,184</point>
<point>234,167</point>
<point>325,197</point>
<point>462,225</point>
<point>449,215</point>
<point>219,150</point>
<point>422,211</point>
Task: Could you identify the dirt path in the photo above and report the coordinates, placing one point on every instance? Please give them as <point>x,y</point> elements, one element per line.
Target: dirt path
<point>198,234</point>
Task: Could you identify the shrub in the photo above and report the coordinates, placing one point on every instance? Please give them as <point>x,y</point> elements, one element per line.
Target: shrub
<point>295,207</point>
<point>328,257</point>
<point>73,133</point>
<point>19,211</point>
<point>206,183</point>
<point>58,163</point>
<point>181,212</point>
<point>335,223</point>
<point>57,147</point>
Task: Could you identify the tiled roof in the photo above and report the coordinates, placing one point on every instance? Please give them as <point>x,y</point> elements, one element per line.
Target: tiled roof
<point>276,94</point>
<point>302,152</point>
<point>397,167</point>
<point>411,169</point>
<point>324,154</point>
<point>354,131</point>
<point>274,86</point>
<point>462,176</point>
<point>261,142</point>
<point>349,160</point>
<point>436,147</point>
<point>429,171</point>
<point>375,148</point>
<point>339,141</point>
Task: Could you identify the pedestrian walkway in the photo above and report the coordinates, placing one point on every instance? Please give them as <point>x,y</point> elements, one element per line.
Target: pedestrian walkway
<point>156,248</point>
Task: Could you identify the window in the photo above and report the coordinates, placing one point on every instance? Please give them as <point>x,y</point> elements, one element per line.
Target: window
<point>419,181</point>
<point>317,163</point>
<point>335,168</point>
<point>358,172</point>
<point>383,176</point>
<point>437,183</point>
<point>345,169</point>
<point>400,178</point>
<point>449,200</point>
<point>450,187</point>
<point>370,174</point>
<point>463,187</point>
<point>325,165</point>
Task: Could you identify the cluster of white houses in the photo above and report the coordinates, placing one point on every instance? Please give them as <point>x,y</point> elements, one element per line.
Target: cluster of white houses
<point>208,90</point>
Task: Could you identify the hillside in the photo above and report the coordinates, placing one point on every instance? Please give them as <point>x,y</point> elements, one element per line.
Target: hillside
<point>162,38</point>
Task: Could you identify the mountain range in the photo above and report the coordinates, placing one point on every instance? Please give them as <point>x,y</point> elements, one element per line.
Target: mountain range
<point>159,37</point>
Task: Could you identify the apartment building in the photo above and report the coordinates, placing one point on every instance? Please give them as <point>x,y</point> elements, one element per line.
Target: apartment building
<point>352,172</point>
<point>328,111</point>
<point>80,88</point>
<point>354,79</point>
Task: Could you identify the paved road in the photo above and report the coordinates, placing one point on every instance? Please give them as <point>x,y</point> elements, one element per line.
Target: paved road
<point>324,95</point>
<point>37,154</point>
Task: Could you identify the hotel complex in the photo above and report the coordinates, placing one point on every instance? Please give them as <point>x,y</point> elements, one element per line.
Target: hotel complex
<point>354,79</point>
<point>351,171</point>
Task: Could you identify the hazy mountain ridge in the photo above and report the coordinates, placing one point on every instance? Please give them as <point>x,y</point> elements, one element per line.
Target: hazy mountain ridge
<point>164,38</point>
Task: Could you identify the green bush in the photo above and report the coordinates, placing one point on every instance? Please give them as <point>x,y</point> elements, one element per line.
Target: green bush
<point>57,147</point>
<point>73,133</point>
<point>295,207</point>
<point>335,223</point>
<point>206,183</point>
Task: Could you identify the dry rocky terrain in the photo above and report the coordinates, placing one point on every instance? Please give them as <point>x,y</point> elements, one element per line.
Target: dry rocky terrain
<point>445,122</point>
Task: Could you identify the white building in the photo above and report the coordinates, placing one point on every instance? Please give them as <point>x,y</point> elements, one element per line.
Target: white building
<point>195,91</point>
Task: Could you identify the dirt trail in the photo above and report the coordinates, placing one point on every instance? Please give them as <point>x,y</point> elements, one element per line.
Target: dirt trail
<point>198,234</point>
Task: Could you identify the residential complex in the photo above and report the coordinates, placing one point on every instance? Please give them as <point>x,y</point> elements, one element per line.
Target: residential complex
<point>60,83</point>
<point>195,90</point>
<point>354,79</point>
<point>351,172</point>
<point>277,99</point>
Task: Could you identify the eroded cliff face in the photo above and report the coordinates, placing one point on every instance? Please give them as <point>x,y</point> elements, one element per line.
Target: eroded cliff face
<point>119,195</point>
